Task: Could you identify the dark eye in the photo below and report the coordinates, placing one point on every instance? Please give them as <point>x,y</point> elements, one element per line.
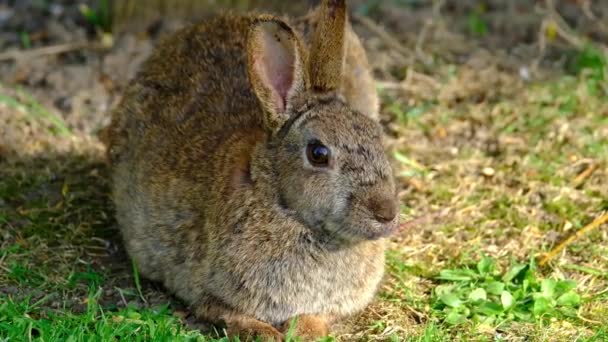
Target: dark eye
<point>318,154</point>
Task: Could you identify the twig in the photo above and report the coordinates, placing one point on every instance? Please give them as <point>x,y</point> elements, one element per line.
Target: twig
<point>587,319</point>
<point>437,7</point>
<point>391,85</point>
<point>582,177</point>
<point>555,20</point>
<point>586,7</point>
<point>593,225</point>
<point>386,37</point>
<point>122,297</point>
<point>422,56</point>
<point>47,50</point>
<point>411,77</point>
<point>542,45</point>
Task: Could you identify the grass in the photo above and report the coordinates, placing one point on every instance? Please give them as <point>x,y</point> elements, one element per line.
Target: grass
<point>490,168</point>
<point>100,17</point>
<point>488,297</point>
<point>514,213</point>
<point>28,320</point>
<point>25,102</point>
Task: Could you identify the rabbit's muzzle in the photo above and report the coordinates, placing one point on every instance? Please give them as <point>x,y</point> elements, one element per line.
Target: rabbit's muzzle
<point>371,216</point>
<point>384,209</point>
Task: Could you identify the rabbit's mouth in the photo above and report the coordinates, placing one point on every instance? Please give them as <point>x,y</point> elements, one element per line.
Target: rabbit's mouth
<point>362,230</point>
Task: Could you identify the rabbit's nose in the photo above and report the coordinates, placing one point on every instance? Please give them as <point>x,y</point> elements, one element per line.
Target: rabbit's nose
<point>384,209</point>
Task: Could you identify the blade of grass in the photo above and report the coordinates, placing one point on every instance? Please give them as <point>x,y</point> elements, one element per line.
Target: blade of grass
<point>35,110</point>
<point>137,282</point>
<point>38,110</point>
<point>585,269</point>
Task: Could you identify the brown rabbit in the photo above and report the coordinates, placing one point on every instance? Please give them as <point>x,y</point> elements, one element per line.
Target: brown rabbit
<point>246,183</point>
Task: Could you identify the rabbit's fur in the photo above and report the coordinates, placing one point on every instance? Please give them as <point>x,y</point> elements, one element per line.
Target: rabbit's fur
<point>215,192</point>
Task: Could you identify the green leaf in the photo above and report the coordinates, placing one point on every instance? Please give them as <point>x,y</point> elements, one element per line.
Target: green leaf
<point>506,299</point>
<point>485,323</point>
<point>593,60</point>
<point>564,286</point>
<point>489,309</point>
<point>547,288</point>
<point>478,295</point>
<point>464,275</point>
<point>454,317</point>
<point>485,265</point>
<point>26,41</point>
<point>133,314</point>
<point>476,24</point>
<point>495,287</point>
<point>514,272</point>
<point>541,305</point>
<point>532,265</point>
<point>450,300</point>
<point>444,288</point>
<point>525,286</point>
<point>521,314</point>
<point>570,298</point>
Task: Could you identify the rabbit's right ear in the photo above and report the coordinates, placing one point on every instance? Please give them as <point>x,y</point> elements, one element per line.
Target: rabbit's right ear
<point>327,49</point>
<point>275,68</point>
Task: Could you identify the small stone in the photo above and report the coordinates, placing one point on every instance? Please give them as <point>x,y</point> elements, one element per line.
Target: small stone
<point>488,171</point>
<point>524,73</point>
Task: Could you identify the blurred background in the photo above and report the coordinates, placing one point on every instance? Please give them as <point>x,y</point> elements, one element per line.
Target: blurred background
<point>75,56</point>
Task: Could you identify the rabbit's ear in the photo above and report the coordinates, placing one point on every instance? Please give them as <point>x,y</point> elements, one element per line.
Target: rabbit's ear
<point>275,68</point>
<point>327,47</point>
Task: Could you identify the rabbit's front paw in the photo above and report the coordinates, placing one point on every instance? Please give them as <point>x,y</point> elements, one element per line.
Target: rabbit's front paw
<point>307,327</point>
<point>250,329</point>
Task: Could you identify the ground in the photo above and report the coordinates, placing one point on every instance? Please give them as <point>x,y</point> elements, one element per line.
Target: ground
<point>497,120</point>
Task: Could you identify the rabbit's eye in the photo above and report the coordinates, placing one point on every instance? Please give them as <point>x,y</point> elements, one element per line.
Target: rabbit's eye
<point>318,154</point>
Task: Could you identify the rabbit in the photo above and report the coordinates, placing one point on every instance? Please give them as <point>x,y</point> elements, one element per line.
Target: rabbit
<point>246,182</point>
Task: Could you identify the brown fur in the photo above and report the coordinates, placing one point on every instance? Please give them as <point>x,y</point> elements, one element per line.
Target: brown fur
<point>309,325</point>
<point>328,46</point>
<point>213,191</point>
<point>357,84</point>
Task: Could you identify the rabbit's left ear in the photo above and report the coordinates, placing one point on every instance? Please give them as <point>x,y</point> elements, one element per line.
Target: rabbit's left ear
<point>275,68</point>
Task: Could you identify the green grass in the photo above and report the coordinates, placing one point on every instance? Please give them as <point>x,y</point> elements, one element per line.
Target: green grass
<point>24,101</point>
<point>485,296</point>
<point>29,320</point>
<point>100,16</point>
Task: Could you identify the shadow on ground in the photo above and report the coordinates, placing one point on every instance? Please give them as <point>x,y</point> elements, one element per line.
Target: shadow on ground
<point>59,241</point>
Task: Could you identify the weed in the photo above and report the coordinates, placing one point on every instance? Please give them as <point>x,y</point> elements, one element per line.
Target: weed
<point>477,25</point>
<point>26,41</point>
<point>487,296</point>
<point>99,17</point>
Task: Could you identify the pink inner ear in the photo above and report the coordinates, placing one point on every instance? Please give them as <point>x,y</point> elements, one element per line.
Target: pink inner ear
<point>275,64</point>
